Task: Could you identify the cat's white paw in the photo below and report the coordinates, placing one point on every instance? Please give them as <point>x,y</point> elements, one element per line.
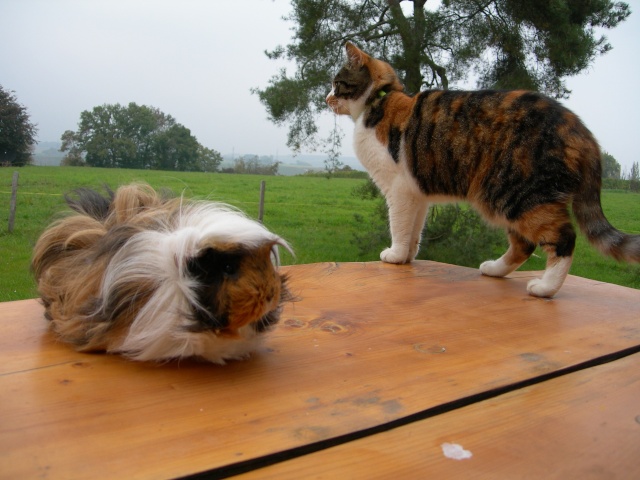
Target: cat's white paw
<point>539,288</point>
<point>493,268</point>
<point>391,255</point>
<point>552,280</point>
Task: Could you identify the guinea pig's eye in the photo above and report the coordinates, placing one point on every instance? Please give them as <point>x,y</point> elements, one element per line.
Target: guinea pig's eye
<point>212,265</point>
<point>230,268</point>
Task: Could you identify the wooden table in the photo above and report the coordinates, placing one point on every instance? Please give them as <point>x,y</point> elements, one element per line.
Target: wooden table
<point>379,371</point>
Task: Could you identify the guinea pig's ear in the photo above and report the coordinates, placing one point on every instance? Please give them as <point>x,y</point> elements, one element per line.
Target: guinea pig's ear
<point>275,251</point>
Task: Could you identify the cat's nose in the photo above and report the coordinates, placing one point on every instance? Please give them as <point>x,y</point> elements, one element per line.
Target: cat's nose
<point>328,99</point>
<point>332,101</point>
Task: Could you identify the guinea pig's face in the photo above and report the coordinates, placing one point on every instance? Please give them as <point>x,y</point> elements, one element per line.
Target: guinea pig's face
<point>235,286</point>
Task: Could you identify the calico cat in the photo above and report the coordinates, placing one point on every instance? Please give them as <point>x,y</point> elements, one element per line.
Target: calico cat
<point>519,158</point>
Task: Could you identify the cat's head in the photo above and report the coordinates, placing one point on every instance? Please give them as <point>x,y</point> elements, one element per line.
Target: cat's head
<point>360,82</point>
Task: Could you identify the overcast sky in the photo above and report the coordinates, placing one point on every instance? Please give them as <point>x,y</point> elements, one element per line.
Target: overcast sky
<point>198,59</point>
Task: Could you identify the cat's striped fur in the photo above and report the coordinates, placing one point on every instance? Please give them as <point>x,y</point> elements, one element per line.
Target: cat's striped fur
<point>520,158</point>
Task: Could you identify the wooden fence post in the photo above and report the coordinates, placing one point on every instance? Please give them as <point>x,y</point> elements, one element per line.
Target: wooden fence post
<point>261,205</point>
<point>14,195</point>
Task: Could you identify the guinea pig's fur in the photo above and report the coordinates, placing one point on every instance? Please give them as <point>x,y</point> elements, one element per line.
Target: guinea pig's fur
<point>157,278</point>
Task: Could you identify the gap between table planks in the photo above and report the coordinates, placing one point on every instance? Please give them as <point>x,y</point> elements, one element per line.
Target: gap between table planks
<point>583,425</point>
<point>367,344</point>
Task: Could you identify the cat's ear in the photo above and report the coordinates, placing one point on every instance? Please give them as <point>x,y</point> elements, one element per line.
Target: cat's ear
<point>355,56</point>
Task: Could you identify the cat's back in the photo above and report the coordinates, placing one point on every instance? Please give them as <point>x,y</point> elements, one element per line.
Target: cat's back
<point>455,141</point>
<point>500,108</point>
<point>471,122</point>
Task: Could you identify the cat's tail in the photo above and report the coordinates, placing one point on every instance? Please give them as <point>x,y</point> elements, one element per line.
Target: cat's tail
<point>600,233</point>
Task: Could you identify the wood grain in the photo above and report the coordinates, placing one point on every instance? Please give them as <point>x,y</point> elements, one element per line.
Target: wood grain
<point>584,425</point>
<point>368,343</point>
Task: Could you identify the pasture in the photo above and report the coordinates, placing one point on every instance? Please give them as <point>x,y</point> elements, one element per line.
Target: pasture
<point>315,214</point>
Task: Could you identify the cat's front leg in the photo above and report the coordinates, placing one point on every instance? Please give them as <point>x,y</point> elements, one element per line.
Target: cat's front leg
<point>395,254</point>
<point>406,220</point>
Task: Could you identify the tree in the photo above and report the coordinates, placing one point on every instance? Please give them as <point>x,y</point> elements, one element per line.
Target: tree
<point>74,157</point>
<point>333,145</point>
<point>208,160</point>
<point>634,177</point>
<point>610,166</point>
<point>175,149</point>
<point>251,164</point>
<point>135,136</point>
<point>506,43</point>
<point>17,133</point>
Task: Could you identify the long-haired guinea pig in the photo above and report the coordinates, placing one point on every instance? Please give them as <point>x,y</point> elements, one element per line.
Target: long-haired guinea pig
<point>158,278</point>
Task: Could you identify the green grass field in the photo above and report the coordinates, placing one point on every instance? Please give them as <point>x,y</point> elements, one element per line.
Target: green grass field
<point>316,215</point>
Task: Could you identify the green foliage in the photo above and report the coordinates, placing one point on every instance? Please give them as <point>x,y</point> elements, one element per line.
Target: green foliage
<point>252,165</point>
<point>314,214</point>
<point>135,136</point>
<point>367,191</point>
<point>209,160</point>
<point>634,178</point>
<point>613,179</point>
<point>459,235</point>
<point>174,149</point>
<point>372,234</point>
<point>508,43</point>
<point>615,183</point>
<point>17,133</point>
<point>610,166</point>
<point>332,163</point>
<point>452,234</point>
<point>343,172</point>
<point>537,44</point>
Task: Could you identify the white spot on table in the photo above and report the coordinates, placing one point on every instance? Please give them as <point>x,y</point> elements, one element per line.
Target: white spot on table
<point>455,451</point>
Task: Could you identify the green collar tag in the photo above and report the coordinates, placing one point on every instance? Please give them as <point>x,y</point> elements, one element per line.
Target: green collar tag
<point>382,93</point>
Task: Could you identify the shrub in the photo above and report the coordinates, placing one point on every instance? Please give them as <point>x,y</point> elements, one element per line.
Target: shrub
<point>453,234</point>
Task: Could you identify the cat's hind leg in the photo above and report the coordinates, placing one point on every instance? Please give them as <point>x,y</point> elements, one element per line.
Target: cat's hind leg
<point>420,219</point>
<point>559,258</point>
<point>520,249</point>
<point>550,227</point>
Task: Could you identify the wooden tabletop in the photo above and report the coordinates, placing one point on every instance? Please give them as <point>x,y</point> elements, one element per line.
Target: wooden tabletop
<point>424,370</point>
